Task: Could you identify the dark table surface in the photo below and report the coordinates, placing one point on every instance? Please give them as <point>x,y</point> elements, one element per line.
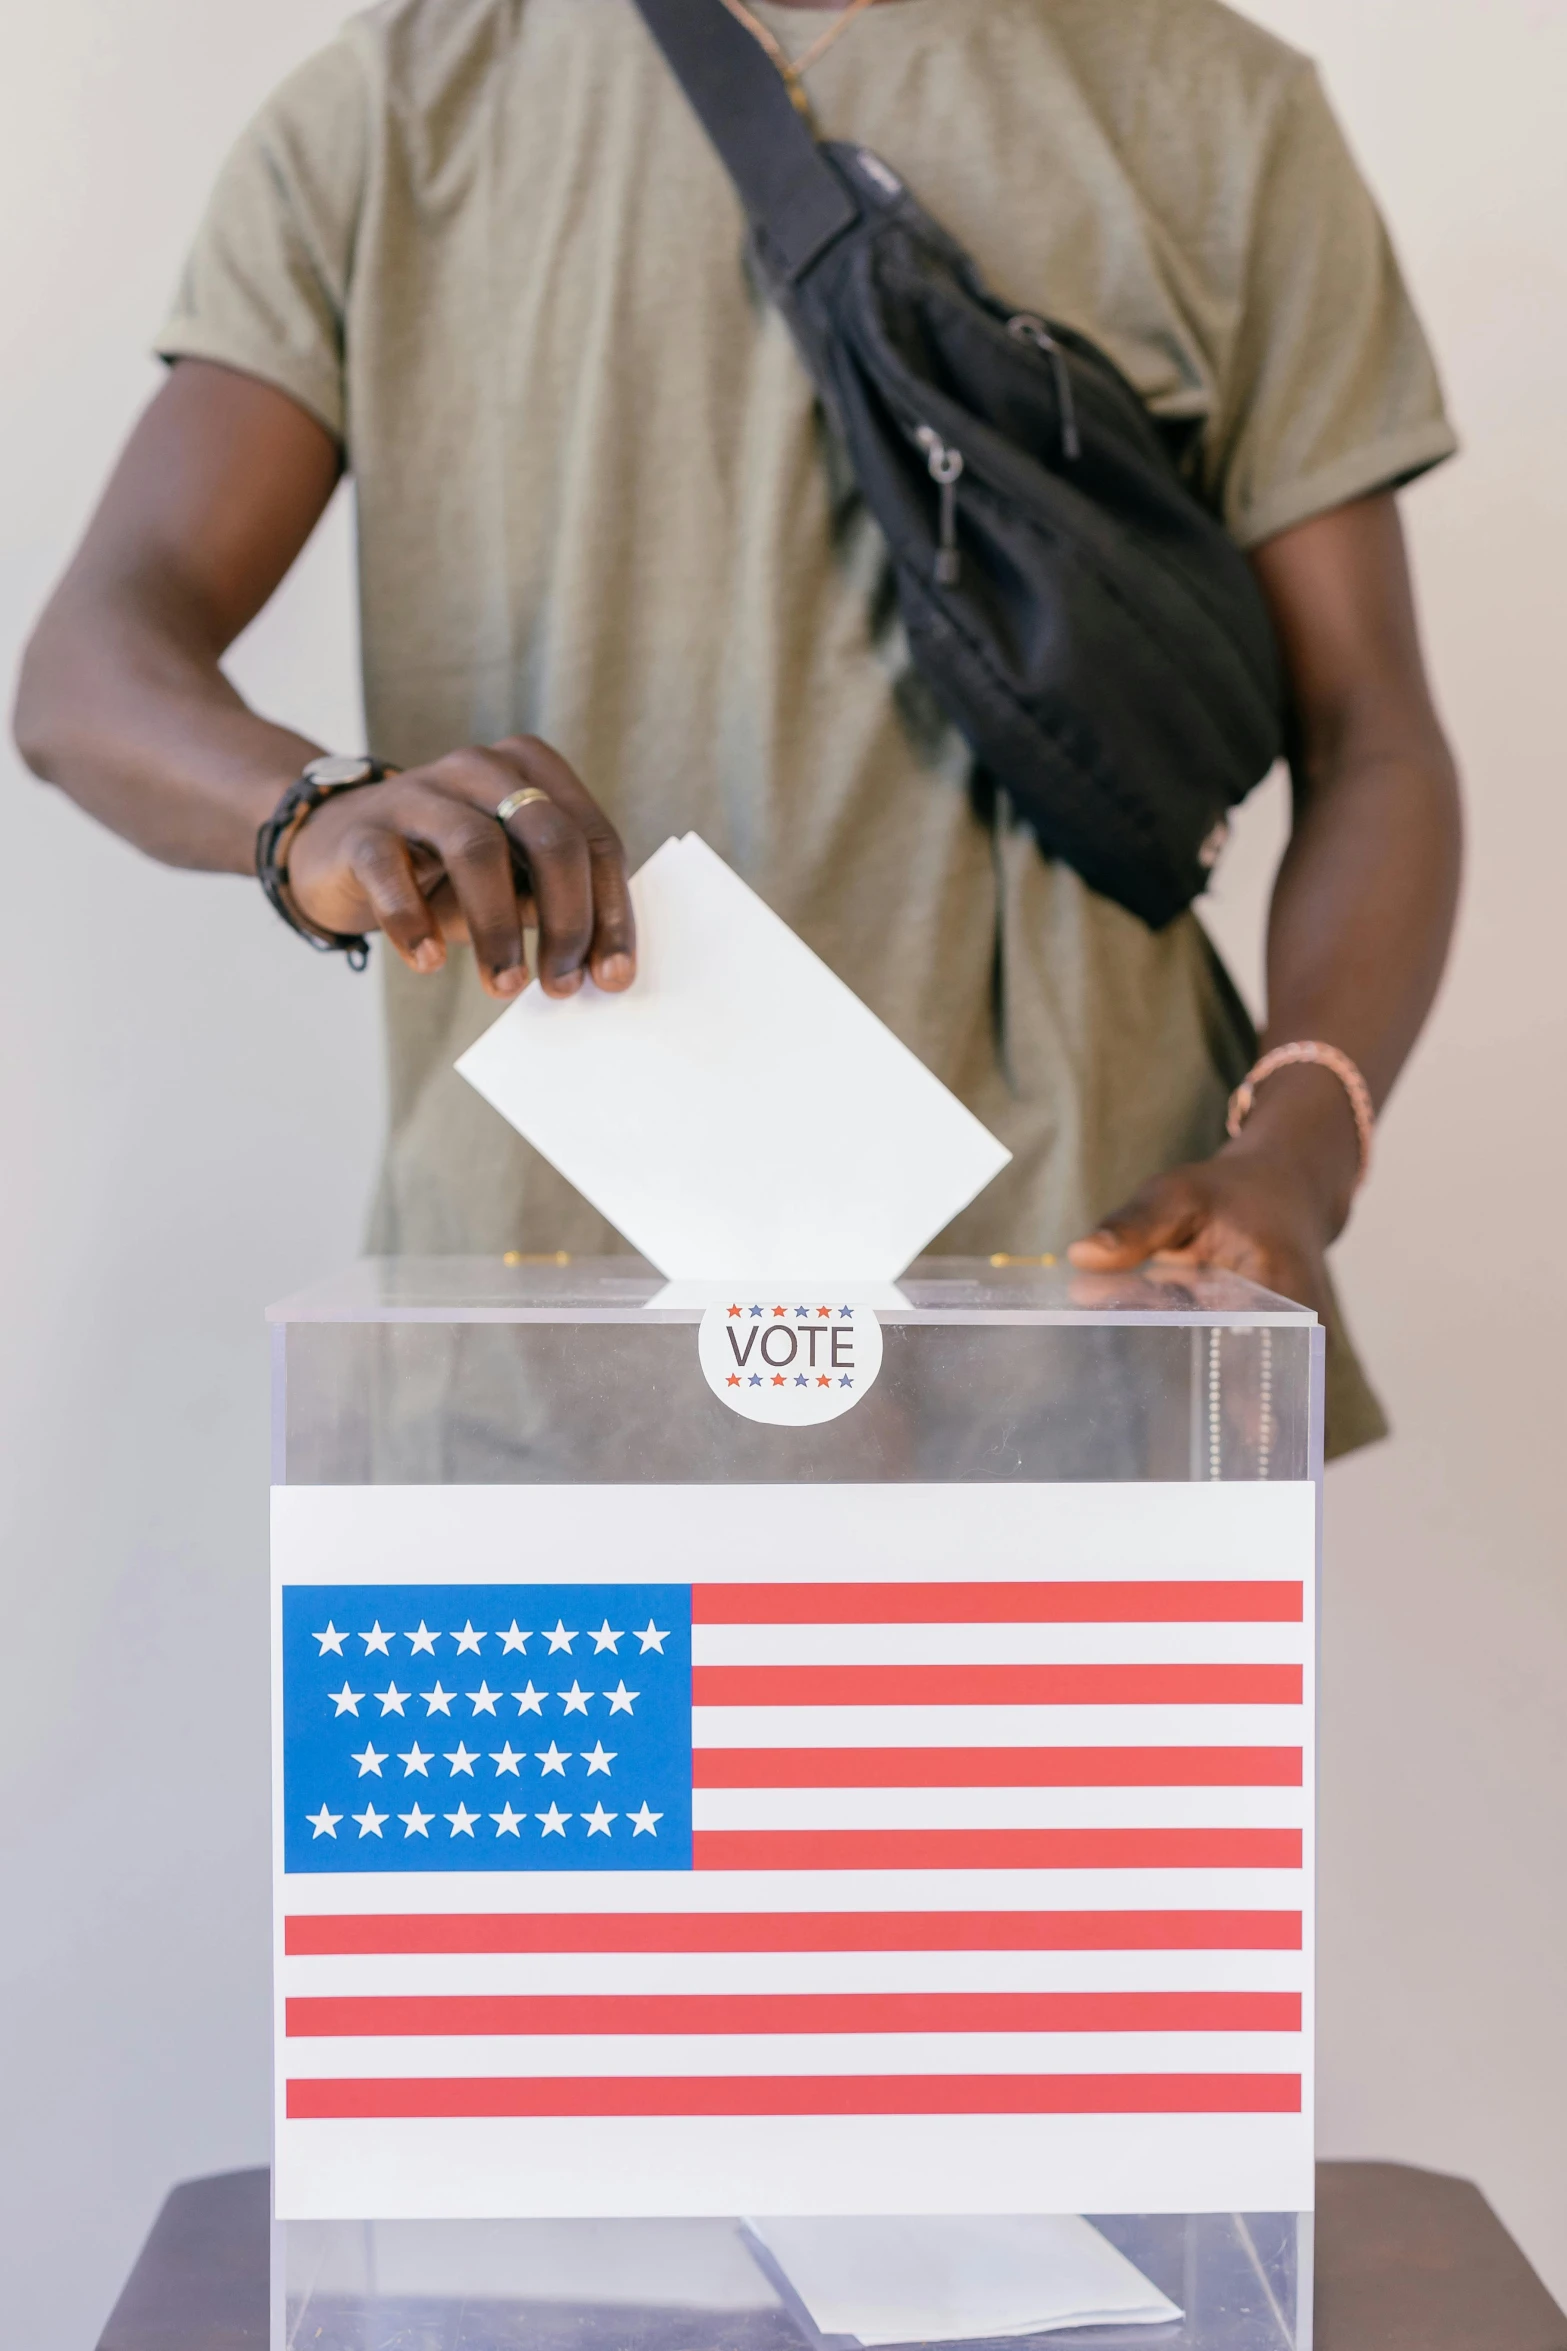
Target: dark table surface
<point>1407,2260</point>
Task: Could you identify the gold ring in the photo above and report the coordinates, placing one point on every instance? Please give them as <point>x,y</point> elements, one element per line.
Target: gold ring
<point>523,799</point>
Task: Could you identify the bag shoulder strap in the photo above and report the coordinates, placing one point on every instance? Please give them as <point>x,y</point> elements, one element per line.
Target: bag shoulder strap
<point>794,198</point>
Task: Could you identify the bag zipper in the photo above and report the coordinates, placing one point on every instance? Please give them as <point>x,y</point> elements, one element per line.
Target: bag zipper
<point>1024,327</point>
<point>945,464</point>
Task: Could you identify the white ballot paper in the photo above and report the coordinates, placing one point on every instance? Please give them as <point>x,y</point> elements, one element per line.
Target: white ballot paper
<point>956,2280</point>
<point>738,1113</point>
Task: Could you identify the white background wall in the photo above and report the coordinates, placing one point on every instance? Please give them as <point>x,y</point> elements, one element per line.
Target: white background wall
<point>190,1106</point>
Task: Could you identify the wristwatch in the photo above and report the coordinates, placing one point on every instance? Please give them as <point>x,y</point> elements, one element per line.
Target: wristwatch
<point>321,780</point>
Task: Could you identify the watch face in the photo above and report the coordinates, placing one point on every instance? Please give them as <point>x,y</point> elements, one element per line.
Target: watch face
<point>341,768</point>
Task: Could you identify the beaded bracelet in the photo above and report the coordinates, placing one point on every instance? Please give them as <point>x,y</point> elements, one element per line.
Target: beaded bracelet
<point>1327,1057</point>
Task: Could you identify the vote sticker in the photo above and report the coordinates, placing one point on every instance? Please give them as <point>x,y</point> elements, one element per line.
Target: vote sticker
<point>789,1365</point>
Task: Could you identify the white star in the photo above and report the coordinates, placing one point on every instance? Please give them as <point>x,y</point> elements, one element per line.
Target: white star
<point>462,1821</point>
<point>369,1821</point>
<point>598,1821</point>
<point>620,1698</point>
<point>598,1760</point>
<point>464,1759</point>
<point>554,1821</point>
<point>437,1701</point>
<point>392,1699</point>
<point>560,1638</point>
<point>468,1639</point>
<point>323,1822</point>
<point>483,1698</point>
<point>552,1759</point>
<point>375,1639</point>
<point>346,1700</point>
<point>576,1699</point>
<point>642,1822</point>
<point>423,1639</point>
<point>652,1638</point>
<point>414,1759</point>
<point>417,1822</point>
<point>530,1700</point>
<point>506,1760</point>
<point>511,1639</point>
<point>604,1638</point>
<point>331,1640</point>
<point>368,1760</point>
<point>507,1822</point>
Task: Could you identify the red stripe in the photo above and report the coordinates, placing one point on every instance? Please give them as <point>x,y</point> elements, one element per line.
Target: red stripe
<point>797,1930</point>
<point>996,1849</point>
<point>800,2012</point>
<point>996,1685</point>
<point>1082,2093</point>
<point>1094,1603</point>
<point>996,1767</point>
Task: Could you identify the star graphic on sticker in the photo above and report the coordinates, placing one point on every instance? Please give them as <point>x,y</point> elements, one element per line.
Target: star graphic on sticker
<point>756,1379</point>
<point>468,1639</point>
<point>323,1822</point>
<point>416,1823</point>
<point>553,1758</point>
<point>822,1381</point>
<point>370,1821</point>
<point>331,1642</point>
<point>604,1639</point>
<point>368,1760</point>
<point>598,1821</point>
<point>506,1760</point>
<point>733,1380</point>
<point>346,1700</point>
<point>800,1380</point>
<point>734,1309</point>
<point>423,1639</point>
<point>651,1638</point>
<point>530,1700</point>
<point>416,1758</point>
<point>560,1638</point>
<point>620,1698</point>
<point>824,1310</point>
<point>844,1380</point>
<point>575,1699</point>
<point>375,1639</point>
<point>392,1699</point>
<point>507,1822</point>
<point>438,1701</point>
<point>846,1314</point>
<point>462,1820</point>
<point>598,1760</point>
<point>779,1380</point>
<point>802,1314</point>
<point>511,1639</point>
<point>462,1759</point>
<point>643,1821</point>
<point>554,1821</point>
<point>756,1310</point>
<point>780,1310</point>
<point>483,1698</point>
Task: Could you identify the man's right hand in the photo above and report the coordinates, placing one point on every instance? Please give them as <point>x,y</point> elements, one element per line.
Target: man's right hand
<point>422,858</point>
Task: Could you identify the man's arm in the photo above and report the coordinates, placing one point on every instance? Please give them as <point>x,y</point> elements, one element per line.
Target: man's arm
<point>1361,917</point>
<point>124,704</point>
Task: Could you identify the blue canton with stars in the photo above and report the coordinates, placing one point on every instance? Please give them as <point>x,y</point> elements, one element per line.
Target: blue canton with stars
<point>486,1726</point>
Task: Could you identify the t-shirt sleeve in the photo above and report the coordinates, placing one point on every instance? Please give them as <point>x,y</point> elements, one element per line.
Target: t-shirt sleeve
<point>265,286</point>
<point>1331,392</point>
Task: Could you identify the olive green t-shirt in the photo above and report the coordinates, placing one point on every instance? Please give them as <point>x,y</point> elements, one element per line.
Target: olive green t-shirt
<point>487,244</point>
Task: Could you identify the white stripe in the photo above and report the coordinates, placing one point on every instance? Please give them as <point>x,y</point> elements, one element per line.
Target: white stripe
<point>997,1726</point>
<point>579,1892</point>
<point>997,1808</point>
<point>997,1644</point>
<point>719,2055</point>
<point>603,1972</point>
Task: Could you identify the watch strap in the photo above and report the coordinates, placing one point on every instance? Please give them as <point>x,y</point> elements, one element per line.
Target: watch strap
<point>323,779</point>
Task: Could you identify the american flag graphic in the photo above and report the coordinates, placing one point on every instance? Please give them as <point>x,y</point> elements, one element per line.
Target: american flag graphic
<point>919,1844</point>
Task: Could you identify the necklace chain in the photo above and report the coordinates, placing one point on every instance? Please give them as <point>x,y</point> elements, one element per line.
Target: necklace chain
<point>793,69</point>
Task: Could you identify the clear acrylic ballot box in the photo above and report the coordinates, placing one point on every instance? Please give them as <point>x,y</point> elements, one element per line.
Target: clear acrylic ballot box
<point>793,1814</point>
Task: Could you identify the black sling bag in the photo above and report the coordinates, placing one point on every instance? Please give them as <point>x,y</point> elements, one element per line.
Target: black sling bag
<point>1088,626</point>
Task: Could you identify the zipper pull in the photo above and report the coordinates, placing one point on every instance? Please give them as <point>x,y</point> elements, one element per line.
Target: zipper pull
<point>1024,327</point>
<point>945,465</point>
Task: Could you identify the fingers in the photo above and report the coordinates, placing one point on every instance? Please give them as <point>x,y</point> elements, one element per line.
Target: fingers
<point>385,870</point>
<point>585,916</point>
<point>1165,1215</point>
